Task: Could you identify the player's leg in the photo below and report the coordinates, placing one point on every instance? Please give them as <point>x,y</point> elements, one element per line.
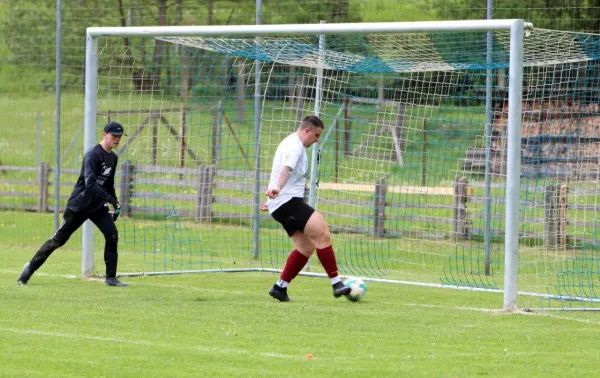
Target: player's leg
<point>297,259</point>
<point>316,228</point>
<point>104,221</point>
<point>71,222</point>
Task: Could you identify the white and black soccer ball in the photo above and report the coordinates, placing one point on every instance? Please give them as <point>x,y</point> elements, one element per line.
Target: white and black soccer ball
<point>358,289</point>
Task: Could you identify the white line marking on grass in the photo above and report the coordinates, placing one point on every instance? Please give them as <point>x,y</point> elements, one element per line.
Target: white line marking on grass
<point>70,276</point>
<point>492,311</point>
<point>488,310</point>
<point>141,284</point>
<point>201,348</point>
<point>577,320</point>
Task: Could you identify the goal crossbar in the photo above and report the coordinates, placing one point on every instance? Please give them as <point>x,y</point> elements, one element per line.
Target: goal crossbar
<point>308,29</point>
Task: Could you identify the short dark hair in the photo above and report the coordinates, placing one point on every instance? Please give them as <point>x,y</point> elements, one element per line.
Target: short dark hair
<point>313,121</point>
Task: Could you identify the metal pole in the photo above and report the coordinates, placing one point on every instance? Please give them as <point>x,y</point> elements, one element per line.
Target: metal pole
<point>487,233</point>
<point>257,117</point>
<point>58,94</point>
<point>513,184</point>
<point>312,195</point>
<point>89,138</point>
<point>305,29</point>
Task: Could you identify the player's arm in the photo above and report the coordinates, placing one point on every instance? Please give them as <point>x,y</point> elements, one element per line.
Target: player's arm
<point>111,191</point>
<point>111,183</point>
<point>289,160</point>
<point>284,175</point>
<point>91,170</point>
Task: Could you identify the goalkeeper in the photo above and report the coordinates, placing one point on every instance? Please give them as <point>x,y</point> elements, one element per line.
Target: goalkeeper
<point>94,188</point>
<point>305,226</point>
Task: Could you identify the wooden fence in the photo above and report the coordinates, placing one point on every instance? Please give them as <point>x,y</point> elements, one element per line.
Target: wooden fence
<point>205,183</point>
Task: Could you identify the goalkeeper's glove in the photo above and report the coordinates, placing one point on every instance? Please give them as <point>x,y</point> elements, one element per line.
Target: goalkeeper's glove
<point>113,201</point>
<point>117,212</point>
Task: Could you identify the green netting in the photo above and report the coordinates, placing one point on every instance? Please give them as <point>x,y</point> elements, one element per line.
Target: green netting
<point>401,178</point>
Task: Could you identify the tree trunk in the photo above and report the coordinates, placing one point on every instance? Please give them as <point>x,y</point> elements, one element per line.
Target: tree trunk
<point>159,45</point>
<point>123,22</point>
<point>241,91</point>
<point>209,12</point>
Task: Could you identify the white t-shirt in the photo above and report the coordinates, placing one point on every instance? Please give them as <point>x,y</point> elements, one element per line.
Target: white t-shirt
<point>291,153</point>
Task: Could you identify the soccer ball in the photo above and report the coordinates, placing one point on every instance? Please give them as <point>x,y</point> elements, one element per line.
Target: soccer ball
<point>358,289</point>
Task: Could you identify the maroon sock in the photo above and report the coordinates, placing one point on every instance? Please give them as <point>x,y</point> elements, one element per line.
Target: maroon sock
<point>294,264</point>
<point>327,259</point>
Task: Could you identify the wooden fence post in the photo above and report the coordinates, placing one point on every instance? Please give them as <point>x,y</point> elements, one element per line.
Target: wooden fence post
<point>126,188</point>
<point>206,179</point>
<point>562,216</point>
<point>459,205</point>
<point>551,216</point>
<point>347,124</point>
<point>337,149</point>
<point>379,219</point>
<point>154,120</point>
<point>44,183</point>
<point>555,216</point>
<point>216,132</point>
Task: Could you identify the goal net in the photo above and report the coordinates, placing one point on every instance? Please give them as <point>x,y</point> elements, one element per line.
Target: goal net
<point>411,170</point>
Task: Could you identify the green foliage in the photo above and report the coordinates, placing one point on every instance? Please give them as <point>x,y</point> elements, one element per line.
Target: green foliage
<point>574,15</point>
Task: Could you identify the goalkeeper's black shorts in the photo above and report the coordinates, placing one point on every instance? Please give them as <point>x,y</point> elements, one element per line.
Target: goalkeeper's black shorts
<point>293,215</point>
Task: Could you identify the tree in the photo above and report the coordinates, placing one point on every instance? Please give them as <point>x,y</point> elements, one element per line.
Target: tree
<point>571,15</point>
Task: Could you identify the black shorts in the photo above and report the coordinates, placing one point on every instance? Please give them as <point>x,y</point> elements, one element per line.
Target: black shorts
<point>293,215</point>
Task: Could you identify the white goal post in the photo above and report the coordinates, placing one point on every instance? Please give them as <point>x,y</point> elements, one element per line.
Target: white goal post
<point>516,27</point>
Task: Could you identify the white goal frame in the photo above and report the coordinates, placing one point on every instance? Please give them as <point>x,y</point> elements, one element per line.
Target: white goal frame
<point>516,27</point>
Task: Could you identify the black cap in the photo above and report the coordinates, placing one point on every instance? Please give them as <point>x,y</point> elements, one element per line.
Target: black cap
<point>114,128</point>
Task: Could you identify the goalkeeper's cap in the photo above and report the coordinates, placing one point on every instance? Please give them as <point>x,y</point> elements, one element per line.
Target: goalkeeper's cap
<point>114,128</point>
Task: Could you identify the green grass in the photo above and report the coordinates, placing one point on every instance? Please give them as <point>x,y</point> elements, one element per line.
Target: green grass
<point>226,325</point>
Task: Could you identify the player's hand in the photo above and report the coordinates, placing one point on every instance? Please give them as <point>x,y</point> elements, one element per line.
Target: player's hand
<point>272,192</point>
<point>263,207</point>
<point>117,212</point>
<point>114,203</point>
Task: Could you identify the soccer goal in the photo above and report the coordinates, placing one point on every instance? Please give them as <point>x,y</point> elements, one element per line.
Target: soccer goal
<point>455,154</point>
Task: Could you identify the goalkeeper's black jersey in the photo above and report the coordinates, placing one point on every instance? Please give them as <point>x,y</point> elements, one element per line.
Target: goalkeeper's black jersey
<point>96,183</point>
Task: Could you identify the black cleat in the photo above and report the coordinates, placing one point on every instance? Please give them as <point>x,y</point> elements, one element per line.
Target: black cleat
<point>339,289</point>
<point>113,281</point>
<point>279,293</point>
<point>25,275</point>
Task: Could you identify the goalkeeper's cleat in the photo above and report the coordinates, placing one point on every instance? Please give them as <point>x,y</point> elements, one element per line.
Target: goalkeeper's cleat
<point>113,281</point>
<point>339,289</point>
<point>25,275</point>
<point>279,293</point>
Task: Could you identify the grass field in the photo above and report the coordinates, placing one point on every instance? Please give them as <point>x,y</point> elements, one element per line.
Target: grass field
<point>227,325</point>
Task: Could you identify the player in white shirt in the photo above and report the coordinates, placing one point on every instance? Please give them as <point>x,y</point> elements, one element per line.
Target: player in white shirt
<point>305,226</point>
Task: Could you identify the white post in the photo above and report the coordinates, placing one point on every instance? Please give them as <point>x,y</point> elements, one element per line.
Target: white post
<point>57,85</point>
<point>312,195</point>
<point>513,175</point>
<point>257,117</point>
<point>89,139</point>
<point>487,187</point>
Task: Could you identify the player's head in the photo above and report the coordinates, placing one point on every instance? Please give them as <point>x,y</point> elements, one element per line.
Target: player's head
<point>112,133</point>
<point>310,130</point>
